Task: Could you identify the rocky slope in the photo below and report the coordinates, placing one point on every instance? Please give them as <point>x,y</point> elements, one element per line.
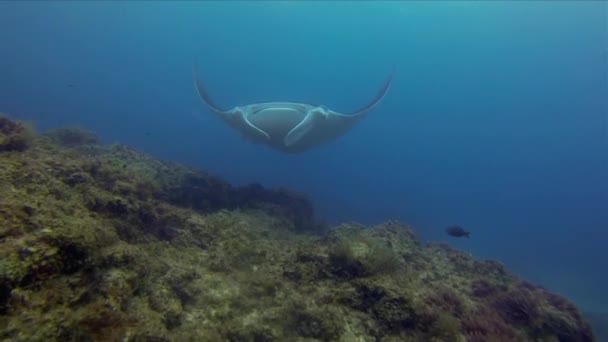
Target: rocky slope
<point>103,243</point>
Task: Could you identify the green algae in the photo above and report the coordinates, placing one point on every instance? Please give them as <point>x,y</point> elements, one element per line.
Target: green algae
<point>103,243</point>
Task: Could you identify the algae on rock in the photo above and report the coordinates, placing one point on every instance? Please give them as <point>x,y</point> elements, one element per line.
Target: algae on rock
<point>103,243</point>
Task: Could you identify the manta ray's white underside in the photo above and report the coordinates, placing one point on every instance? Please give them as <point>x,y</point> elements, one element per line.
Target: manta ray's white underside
<point>290,126</point>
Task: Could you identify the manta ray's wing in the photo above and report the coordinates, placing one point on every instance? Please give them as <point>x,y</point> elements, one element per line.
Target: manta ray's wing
<point>322,125</point>
<point>383,91</point>
<point>202,92</point>
<point>239,120</point>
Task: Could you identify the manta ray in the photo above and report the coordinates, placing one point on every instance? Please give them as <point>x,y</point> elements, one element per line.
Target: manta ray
<point>290,127</point>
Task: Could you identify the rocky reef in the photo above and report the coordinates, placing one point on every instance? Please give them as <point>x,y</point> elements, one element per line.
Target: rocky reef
<point>103,243</point>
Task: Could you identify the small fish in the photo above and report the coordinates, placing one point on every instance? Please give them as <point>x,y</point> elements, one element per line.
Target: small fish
<point>457,231</point>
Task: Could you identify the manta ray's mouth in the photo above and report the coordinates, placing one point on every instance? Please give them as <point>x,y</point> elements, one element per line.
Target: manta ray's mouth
<point>277,121</point>
<point>280,111</point>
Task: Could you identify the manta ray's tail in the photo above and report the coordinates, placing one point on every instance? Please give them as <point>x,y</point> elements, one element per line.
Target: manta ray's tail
<point>383,91</point>
<point>203,93</point>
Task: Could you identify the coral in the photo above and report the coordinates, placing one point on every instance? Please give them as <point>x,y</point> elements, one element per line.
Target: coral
<point>103,243</point>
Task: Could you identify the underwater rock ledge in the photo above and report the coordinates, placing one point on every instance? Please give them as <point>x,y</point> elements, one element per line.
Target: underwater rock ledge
<point>103,243</point>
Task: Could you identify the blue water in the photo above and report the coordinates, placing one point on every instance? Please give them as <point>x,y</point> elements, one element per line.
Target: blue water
<point>497,119</point>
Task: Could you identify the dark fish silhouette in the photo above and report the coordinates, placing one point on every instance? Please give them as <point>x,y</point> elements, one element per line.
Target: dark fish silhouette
<point>457,231</point>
